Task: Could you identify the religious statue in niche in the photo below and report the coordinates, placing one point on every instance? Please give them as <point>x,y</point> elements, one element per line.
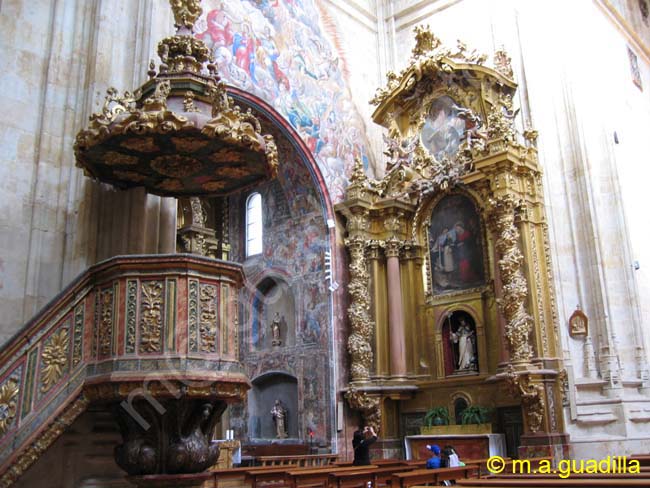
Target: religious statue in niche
<point>279,414</point>
<point>459,340</point>
<point>276,329</point>
<point>578,323</point>
<point>456,252</point>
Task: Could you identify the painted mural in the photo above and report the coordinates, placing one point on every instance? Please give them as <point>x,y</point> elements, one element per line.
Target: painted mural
<point>278,50</point>
<point>295,238</point>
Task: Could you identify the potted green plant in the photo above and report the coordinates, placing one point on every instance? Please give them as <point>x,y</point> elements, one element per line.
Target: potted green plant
<point>475,419</point>
<point>436,416</point>
<point>436,421</point>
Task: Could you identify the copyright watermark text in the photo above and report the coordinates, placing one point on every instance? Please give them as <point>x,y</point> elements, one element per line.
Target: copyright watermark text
<point>565,467</point>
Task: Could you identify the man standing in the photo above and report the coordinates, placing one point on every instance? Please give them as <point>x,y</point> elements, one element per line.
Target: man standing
<point>361,442</point>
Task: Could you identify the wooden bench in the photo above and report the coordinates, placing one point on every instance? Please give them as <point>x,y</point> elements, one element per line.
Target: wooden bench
<point>358,478</point>
<point>383,474</point>
<point>432,476</point>
<point>306,477</point>
<point>281,476</point>
<point>530,463</point>
<point>303,460</point>
<point>482,464</point>
<point>537,482</point>
<point>644,459</point>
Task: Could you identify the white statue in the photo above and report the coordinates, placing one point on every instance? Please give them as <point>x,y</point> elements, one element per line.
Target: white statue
<point>466,340</point>
<point>279,414</point>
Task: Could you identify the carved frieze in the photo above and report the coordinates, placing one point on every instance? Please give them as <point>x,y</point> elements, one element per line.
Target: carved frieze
<point>151,320</point>
<point>208,318</point>
<point>193,315</point>
<point>54,358</point>
<point>105,333</point>
<point>77,346</point>
<point>8,403</point>
<point>131,314</point>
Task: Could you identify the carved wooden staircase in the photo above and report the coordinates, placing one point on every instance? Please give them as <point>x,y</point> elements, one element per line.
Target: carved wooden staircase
<point>135,333</point>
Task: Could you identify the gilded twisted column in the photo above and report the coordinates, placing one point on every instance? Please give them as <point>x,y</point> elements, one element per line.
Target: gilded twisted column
<point>519,323</point>
<point>358,312</point>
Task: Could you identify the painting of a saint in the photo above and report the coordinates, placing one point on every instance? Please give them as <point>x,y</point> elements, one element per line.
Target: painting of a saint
<point>456,251</point>
<point>443,129</point>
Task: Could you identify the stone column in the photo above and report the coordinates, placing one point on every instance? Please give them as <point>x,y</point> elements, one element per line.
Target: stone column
<point>379,307</point>
<point>395,312</point>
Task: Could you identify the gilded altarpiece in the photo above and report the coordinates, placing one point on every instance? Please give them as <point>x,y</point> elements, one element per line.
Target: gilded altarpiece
<point>450,277</point>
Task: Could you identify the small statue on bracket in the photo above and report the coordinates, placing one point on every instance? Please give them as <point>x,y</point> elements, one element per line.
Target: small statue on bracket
<point>279,414</point>
<point>276,330</point>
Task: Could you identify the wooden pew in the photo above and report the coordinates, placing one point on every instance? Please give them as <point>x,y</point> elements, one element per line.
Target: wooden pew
<point>534,464</point>
<point>384,474</point>
<point>378,474</point>
<point>644,459</point>
<point>230,476</point>
<point>537,482</point>
<point>358,478</point>
<point>482,464</point>
<point>432,476</point>
<point>301,460</point>
<point>305,477</point>
<point>282,476</point>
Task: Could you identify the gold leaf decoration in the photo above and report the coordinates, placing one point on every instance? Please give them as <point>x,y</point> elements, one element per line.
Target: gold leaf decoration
<point>8,399</point>
<point>208,318</point>
<point>54,359</point>
<point>151,322</point>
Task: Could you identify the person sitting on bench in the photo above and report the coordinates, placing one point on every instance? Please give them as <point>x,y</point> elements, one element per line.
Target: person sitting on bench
<point>434,461</point>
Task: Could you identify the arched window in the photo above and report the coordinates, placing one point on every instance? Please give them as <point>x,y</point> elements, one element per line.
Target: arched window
<point>254,224</point>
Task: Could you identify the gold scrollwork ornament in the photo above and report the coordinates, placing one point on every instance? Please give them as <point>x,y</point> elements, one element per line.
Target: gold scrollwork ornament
<point>368,405</point>
<point>8,400</point>
<point>55,359</point>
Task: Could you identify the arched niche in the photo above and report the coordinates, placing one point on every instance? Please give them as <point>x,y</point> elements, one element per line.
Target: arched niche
<point>266,389</point>
<point>460,344</point>
<point>273,315</point>
<point>460,402</point>
<point>456,250</point>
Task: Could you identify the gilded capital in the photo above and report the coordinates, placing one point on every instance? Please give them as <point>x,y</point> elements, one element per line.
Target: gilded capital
<point>374,248</point>
<point>393,247</point>
<point>358,223</point>
<point>410,250</point>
